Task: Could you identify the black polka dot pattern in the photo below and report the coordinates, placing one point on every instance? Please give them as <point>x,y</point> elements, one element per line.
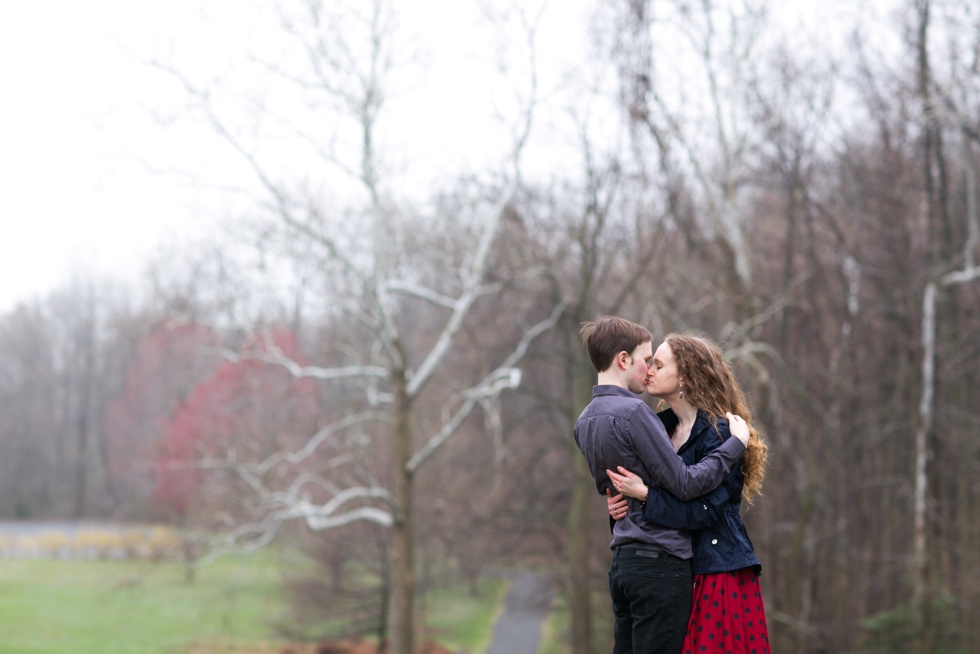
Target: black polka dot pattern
<point>727,615</point>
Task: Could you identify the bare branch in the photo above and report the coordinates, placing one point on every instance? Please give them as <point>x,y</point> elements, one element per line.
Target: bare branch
<point>471,277</point>
<point>275,356</point>
<point>329,515</point>
<point>246,538</point>
<point>284,208</point>
<point>420,292</point>
<point>448,429</point>
<point>503,378</point>
<point>365,514</point>
<point>323,434</point>
<point>521,349</point>
<point>252,536</point>
<point>316,372</point>
<point>961,276</point>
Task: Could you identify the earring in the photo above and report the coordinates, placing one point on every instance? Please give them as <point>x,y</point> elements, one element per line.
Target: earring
<point>681,394</point>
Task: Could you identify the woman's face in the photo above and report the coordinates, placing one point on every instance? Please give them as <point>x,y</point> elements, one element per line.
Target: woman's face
<point>662,379</point>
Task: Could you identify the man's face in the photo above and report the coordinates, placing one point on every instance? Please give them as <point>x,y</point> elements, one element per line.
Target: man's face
<point>638,367</point>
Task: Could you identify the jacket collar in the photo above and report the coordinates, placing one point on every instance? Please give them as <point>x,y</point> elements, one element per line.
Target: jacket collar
<point>670,420</point>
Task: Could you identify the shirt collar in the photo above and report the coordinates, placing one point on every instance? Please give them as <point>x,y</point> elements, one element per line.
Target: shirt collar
<point>611,389</point>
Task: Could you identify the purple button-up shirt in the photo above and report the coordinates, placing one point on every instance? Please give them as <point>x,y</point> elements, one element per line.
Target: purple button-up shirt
<point>618,429</point>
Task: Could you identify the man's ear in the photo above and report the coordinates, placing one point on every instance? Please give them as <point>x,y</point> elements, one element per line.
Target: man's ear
<point>622,360</point>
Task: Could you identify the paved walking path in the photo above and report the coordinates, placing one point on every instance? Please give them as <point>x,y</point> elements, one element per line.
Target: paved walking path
<point>528,604</point>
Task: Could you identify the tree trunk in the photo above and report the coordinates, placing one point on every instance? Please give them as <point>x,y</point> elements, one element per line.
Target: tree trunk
<point>919,608</point>
<point>579,528</point>
<point>85,340</point>
<point>920,569</point>
<point>580,525</point>
<point>401,614</point>
<point>969,450</point>
<point>81,461</point>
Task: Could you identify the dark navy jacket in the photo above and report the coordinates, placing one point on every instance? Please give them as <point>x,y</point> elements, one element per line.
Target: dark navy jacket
<point>720,540</point>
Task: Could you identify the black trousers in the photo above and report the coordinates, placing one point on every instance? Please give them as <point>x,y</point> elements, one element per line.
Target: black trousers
<point>651,598</point>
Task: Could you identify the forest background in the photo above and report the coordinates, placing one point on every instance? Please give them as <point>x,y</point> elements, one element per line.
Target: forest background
<point>378,357</point>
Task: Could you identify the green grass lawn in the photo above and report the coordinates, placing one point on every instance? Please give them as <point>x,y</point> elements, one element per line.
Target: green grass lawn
<point>123,607</point>
<point>140,607</point>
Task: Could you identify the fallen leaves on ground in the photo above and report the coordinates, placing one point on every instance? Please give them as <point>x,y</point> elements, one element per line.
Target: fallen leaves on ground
<point>353,646</point>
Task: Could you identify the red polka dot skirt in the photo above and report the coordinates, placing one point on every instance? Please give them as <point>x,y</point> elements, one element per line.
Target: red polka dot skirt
<point>727,615</point>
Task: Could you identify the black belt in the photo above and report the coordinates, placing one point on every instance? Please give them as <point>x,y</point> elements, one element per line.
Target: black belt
<point>647,551</point>
<point>652,551</point>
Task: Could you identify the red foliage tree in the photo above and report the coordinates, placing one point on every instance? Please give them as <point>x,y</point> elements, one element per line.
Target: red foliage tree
<point>169,362</point>
<point>245,410</point>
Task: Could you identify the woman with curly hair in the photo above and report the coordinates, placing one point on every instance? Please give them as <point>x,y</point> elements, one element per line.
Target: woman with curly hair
<point>691,376</point>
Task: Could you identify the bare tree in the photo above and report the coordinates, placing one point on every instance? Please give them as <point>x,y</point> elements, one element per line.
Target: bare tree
<point>373,274</point>
<point>937,102</point>
<point>705,131</point>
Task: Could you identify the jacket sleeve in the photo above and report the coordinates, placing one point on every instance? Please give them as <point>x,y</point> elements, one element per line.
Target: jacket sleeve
<point>668,471</point>
<point>666,510</point>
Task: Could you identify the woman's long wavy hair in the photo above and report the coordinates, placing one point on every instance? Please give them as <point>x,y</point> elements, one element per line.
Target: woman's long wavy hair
<point>710,385</point>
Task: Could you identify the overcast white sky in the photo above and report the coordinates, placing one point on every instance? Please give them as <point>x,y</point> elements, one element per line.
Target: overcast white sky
<point>77,136</point>
<point>73,193</point>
